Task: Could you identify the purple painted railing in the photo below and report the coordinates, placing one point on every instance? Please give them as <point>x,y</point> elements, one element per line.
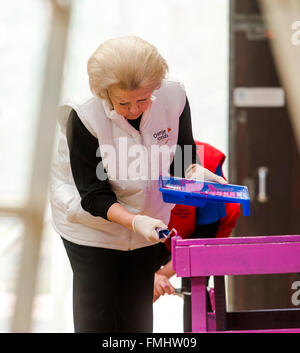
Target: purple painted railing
<point>199,258</point>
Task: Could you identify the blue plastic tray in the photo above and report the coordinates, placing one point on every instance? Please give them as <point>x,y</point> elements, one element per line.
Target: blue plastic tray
<point>198,193</point>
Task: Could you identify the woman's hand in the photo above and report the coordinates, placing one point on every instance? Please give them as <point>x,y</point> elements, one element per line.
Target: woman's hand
<point>197,172</point>
<point>162,285</point>
<point>140,224</point>
<point>146,227</point>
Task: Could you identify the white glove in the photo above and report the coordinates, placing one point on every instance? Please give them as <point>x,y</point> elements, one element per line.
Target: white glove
<point>197,172</point>
<point>146,227</point>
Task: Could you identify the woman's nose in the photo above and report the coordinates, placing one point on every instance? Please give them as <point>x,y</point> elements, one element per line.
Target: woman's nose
<point>134,108</point>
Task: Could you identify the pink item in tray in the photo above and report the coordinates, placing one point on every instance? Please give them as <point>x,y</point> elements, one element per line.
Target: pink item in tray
<point>212,188</point>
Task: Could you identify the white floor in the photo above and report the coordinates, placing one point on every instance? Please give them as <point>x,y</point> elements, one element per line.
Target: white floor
<point>168,312</point>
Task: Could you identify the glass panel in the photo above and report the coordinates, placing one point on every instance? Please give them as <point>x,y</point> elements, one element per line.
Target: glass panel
<point>23,31</point>
<point>52,306</point>
<point>11,231</point>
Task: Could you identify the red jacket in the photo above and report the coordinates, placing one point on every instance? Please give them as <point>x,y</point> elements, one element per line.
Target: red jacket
<point>183,218</point>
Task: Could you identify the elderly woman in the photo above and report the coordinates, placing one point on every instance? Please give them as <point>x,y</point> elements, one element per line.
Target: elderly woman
<point>105,201</point>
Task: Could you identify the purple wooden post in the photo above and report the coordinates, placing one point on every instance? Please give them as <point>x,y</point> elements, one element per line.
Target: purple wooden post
<point>199,318</point>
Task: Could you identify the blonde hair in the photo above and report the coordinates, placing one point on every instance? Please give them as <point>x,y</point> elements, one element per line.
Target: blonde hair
<point>128,62</point>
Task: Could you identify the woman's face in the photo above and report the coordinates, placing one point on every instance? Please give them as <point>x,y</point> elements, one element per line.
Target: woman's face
<point>130,104</point>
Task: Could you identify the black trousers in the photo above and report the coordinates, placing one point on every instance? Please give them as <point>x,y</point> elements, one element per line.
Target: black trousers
<point>112,289</point>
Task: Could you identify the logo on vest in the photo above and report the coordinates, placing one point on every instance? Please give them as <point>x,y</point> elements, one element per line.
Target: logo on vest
<point>162,136</point>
